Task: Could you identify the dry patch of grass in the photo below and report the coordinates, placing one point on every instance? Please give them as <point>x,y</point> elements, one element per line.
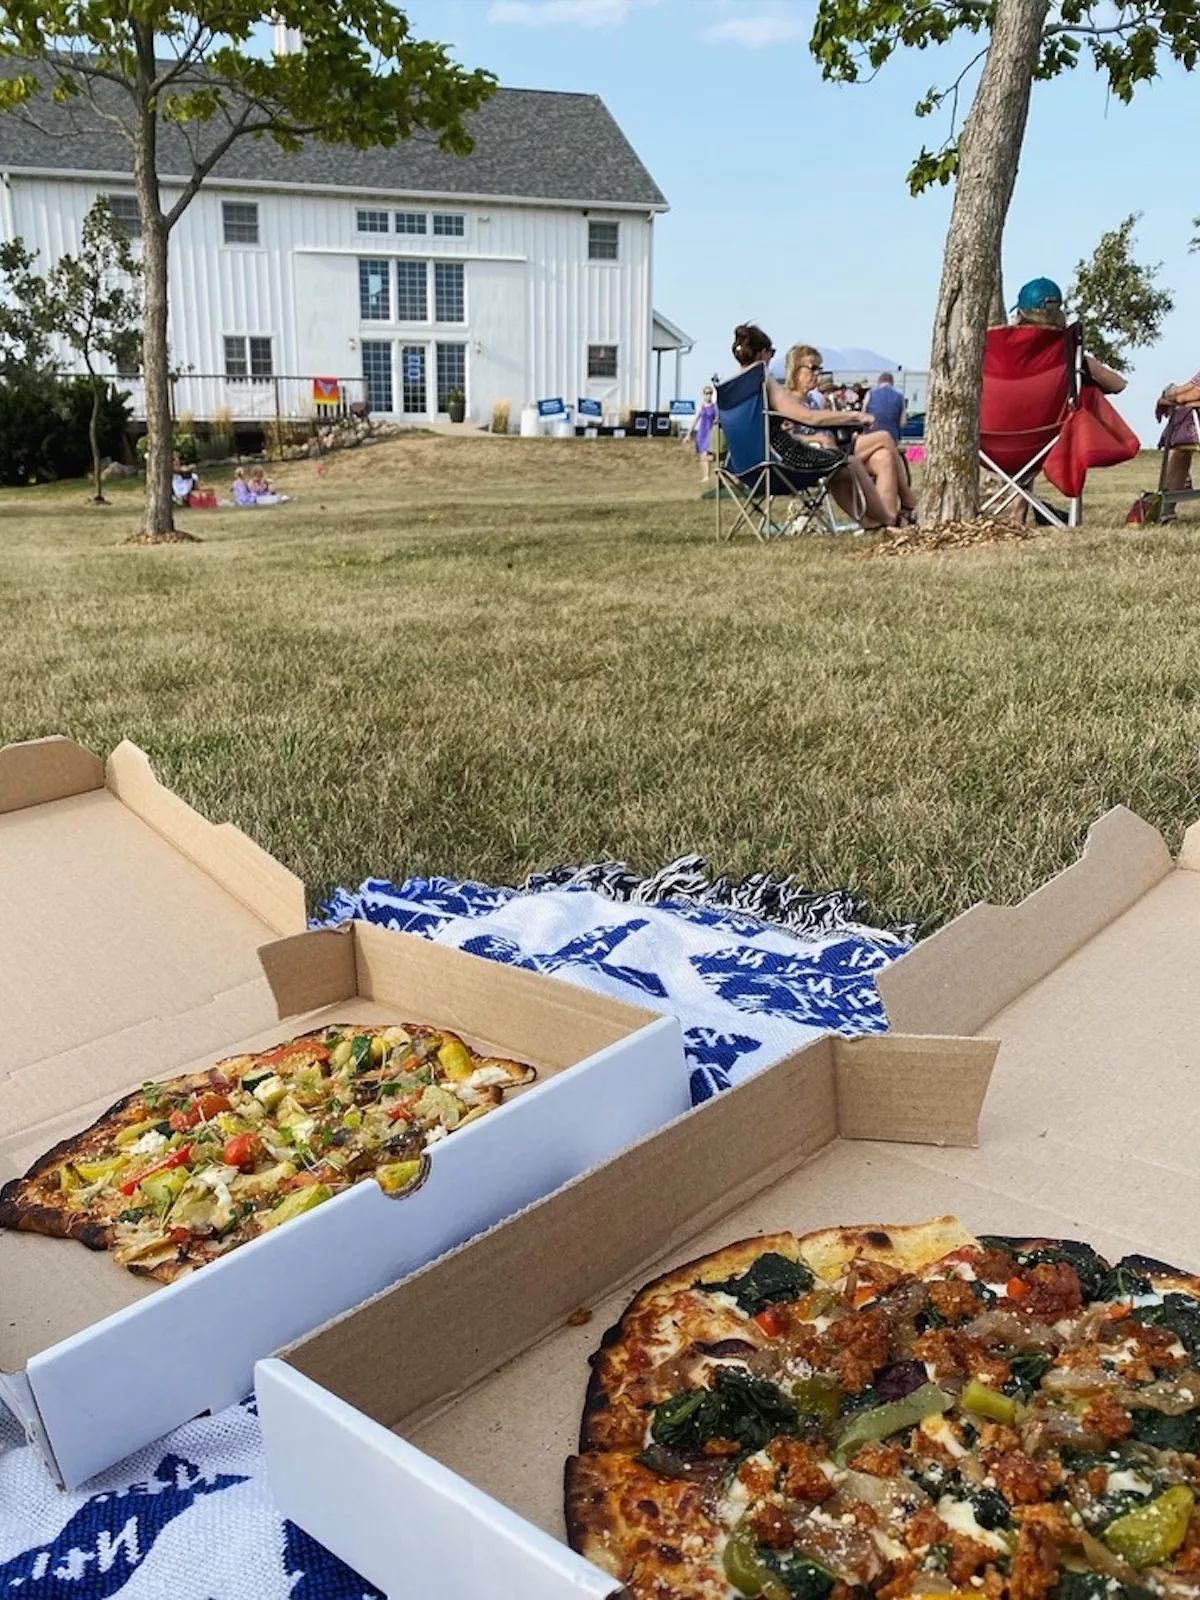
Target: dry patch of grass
<point>417,674</point>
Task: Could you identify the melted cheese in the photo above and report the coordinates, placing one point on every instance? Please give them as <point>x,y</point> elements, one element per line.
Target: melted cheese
<point>1128,1480</point>
<point>148,1145</point>
<point>938,1428</point>
<point>959,1516</point>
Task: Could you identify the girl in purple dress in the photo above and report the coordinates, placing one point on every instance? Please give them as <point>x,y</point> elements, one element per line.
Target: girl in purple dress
<point>702,432</point>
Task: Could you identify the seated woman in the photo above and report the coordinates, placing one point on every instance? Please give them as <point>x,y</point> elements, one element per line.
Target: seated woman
<point>1181,438</point>
<point>876,449</point>
<point>260,488</point>
<point>183,481</point>
<point>243,494</point>
<point>1040,305</point>
<point>850,484</point>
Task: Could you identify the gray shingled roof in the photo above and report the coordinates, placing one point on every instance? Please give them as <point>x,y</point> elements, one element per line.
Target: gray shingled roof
<point>533,143</point>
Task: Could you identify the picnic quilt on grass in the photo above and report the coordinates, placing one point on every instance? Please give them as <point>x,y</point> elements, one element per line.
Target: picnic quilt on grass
<point>753,970</point>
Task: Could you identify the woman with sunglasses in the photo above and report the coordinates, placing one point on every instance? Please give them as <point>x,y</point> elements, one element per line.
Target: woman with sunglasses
<point>850,485</point>
<point>876,448</point>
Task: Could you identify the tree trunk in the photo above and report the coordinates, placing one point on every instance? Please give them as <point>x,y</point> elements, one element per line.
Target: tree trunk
<point>94,440</point>
<point>159,517</point>
<point>989,153</point>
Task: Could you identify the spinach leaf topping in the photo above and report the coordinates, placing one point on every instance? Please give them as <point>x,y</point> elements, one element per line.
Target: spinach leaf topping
<point>360,1051</point>
<point>991,1509</point>
<point>1095,1586</point>
<point>1181,1314</point>
<point>771,1279</point>
<point>1168,1433</point>
<point>1122,1281</point>
<point>802,1579</point>
<point>747,1410</point>
<point>1028,1368</point>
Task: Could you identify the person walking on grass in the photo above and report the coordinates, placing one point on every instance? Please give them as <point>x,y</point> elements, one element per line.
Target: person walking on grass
<point>886,404</point>
<point>701,435</point>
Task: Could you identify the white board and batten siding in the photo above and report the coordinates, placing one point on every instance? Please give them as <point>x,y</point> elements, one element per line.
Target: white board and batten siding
<point>535,308</point>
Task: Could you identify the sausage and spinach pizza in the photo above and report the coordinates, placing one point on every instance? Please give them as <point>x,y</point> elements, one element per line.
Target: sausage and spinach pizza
<point>183,1171</point>
<point>874,1413</point>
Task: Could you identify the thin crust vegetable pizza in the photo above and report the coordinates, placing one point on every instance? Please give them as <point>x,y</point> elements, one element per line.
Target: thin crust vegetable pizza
<point>183,1171</point>
<point>877,1412</point>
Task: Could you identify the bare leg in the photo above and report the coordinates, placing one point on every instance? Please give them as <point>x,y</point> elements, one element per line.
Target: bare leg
<point>853,490</point>
<point>881,455</point>
<point>1178,465</point>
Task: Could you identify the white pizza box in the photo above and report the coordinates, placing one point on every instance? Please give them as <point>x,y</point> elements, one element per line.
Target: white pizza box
<point>426,1462</point>
<point>138,940</point>
<point>422,1437</point>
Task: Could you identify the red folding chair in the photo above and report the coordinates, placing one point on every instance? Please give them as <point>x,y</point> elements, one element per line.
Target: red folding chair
<point>1031,379</point>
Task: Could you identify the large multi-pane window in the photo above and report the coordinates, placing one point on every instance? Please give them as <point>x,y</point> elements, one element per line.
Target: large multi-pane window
<point>124,208</point>
<point>602,361</point>
<point>374,300</point>
<point>603,240</point>
<point>414,401</point>
<point>367,221</point>
<point>377,373</point>
<point>239,218</point>
<point>449,225</point>
<point>412,222</point>
<point>236,365</point>
<point>412,291</point>
<point>449,298</point>
<point>451,372</point>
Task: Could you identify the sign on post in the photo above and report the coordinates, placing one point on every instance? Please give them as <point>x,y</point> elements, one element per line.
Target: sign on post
<point>683,408</point>
<point>552,408</point>
<point>588,407</point>
<point>326,392</point>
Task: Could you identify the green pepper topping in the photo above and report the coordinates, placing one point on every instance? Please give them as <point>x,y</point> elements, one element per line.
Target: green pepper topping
<point>868,1426</point>
<point>1155,1530</point>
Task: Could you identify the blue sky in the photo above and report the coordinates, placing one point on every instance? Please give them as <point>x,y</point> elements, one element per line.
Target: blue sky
<point>722,100</point>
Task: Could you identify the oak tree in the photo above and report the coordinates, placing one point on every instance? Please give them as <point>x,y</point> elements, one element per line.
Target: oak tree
<point>1020,42</point>
<point>187,68</point>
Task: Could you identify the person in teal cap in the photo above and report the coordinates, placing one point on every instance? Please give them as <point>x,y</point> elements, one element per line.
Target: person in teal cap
<point>1040,305</point>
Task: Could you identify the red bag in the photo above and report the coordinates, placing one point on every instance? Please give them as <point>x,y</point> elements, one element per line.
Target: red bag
<point>202,499</point>
<point>1094,435</point>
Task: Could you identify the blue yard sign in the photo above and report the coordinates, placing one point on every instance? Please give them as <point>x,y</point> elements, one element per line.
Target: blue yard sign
<point>551,408</point>
<point>589,408</point>
<point>412,367</point>
<point>683,408</point>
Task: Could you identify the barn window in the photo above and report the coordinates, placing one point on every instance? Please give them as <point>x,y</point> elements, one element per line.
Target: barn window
<point>449,225</point>
<point>412,222</point>
<point>377,373</point>
<point>603,238</point>
<point>602,361</point>
<point>449,296</point>
<point>371,221</point>
<point>374,297</point>
<point>262,362</point>
<point>451,372</point>
<point>412,380</point>
<point>240,221</point>
<point>124,208</point>
<point>412,291</point>
<point>236,365</point>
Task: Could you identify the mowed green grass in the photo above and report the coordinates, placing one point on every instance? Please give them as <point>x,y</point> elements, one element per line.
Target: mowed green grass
<point>484,657</point>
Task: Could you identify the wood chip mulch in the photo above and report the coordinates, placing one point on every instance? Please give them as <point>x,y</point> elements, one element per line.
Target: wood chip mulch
<point>954,536</point>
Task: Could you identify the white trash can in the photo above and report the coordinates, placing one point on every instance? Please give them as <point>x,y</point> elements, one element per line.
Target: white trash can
<point>564,428</point>
<point>531,423</point>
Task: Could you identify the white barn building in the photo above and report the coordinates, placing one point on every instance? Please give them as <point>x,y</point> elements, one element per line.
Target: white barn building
<point>522,271</point>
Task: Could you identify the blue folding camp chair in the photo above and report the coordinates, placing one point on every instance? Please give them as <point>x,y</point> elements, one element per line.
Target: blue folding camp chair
<point>750,474</point>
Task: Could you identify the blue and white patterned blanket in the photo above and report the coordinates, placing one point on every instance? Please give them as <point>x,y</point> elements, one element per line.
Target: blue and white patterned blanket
<point>191,1517</point>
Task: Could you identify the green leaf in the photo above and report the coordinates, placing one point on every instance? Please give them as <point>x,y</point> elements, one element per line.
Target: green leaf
<point>747,1410</point>
<point>773,1278</point>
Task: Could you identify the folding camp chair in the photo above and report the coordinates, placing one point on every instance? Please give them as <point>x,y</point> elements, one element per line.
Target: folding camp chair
<point>753,477</point>
<point>1031,380</point>
<point>1168,499</point>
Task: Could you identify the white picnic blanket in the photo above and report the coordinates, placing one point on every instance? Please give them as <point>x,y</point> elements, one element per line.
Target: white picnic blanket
<point>191,1518</point>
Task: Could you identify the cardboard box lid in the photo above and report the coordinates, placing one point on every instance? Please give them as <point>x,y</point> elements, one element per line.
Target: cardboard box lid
<point>129,930</point>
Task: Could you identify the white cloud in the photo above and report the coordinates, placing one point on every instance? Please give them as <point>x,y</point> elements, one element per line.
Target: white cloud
<point>583,13</point>
<point>760,29</point>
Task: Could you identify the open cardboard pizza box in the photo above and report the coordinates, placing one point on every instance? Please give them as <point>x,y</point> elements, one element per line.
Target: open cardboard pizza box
<point>139,941</point>
<point>422,1437</point>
